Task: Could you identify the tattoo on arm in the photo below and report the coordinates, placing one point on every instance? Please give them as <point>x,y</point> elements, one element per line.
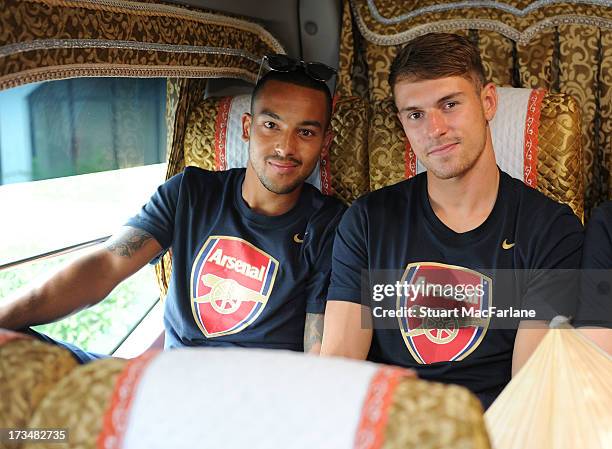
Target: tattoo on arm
<point>128,242</point>
<point>313,331</point>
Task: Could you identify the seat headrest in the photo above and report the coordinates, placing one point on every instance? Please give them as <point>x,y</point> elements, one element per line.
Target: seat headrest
<point>235,398</point>
<point>29,369</point>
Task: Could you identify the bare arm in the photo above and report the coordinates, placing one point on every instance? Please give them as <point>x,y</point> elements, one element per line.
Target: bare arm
<point>528,337</point>
<point>83,283</point>
<point>601,336</point>
<point>344,332</point>
<point>313,333</point>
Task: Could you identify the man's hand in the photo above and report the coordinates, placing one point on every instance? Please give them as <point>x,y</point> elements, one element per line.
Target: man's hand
<point>83,283</point>
<point>344,333</point>
<point>601,336</point>
<point>528,337</point>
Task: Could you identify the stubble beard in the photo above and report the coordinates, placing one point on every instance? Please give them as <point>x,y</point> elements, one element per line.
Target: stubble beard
<point>451,170</point>
<point>272,186</point>
<point>279,190</point>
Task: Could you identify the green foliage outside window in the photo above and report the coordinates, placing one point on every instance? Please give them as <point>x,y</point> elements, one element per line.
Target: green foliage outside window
<point>100,328</point>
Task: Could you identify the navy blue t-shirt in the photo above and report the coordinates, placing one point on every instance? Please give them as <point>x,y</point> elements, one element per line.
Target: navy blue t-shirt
<point>395,228</point>
<point>239,278</point>
<point>595,307</point>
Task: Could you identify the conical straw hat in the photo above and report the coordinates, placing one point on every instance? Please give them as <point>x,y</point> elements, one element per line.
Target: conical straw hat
<point>561,398</point>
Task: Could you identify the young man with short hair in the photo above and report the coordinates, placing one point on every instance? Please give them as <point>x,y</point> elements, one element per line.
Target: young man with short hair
<point>251,247</point>
<point>446,228</point>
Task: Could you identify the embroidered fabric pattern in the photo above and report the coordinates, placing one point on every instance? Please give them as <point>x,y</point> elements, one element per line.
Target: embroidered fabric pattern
<point>375,410</point>
<point>221,133</point>
<point>131,39</point>
<point>475,4</point>
<point>411,166</point>
<point>532,124</point>
<point>168,11</point>
<point>52,44</point>
<point>520,37</point>
<point>115,418</point>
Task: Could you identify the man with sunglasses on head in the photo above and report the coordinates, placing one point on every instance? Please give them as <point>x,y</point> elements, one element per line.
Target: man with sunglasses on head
<point>428,259</point>
<point>251,248</point>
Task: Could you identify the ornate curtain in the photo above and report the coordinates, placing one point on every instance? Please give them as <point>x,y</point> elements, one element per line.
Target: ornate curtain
<point>53,39</point>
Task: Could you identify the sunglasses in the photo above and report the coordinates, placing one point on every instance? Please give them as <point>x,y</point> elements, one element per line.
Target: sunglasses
<point>282,63</point>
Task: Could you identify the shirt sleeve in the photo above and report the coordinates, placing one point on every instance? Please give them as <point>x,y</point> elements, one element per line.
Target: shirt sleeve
<point>595,307</point>
<point>320,253</point>
<point>158,215</point>
<point>553,281</point>
<point>349,257</point>
<point>597,253</point>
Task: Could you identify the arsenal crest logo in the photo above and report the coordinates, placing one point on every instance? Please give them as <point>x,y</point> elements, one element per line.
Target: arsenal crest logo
<point>231,281</point>
<point>444,302</point>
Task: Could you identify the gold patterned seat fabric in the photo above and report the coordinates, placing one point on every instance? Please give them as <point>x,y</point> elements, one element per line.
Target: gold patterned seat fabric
<point>77,403</point>
<point>430,415</point>
<point>29,369</point>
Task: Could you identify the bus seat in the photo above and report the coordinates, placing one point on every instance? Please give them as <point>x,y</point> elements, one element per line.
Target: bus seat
<point>29,369</point>
<point>235,398</point>
<point>78,402</point>
<point>536,137</point>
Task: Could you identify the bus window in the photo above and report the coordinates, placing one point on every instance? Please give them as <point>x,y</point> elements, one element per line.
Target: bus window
<point>78,157</point>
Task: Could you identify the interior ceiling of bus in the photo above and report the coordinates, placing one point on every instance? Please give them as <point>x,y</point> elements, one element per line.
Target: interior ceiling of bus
<point>309,29</point>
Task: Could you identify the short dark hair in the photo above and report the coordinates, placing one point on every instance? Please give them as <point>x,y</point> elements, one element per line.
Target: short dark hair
<point>438,55</point>
<point>297,77</point>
